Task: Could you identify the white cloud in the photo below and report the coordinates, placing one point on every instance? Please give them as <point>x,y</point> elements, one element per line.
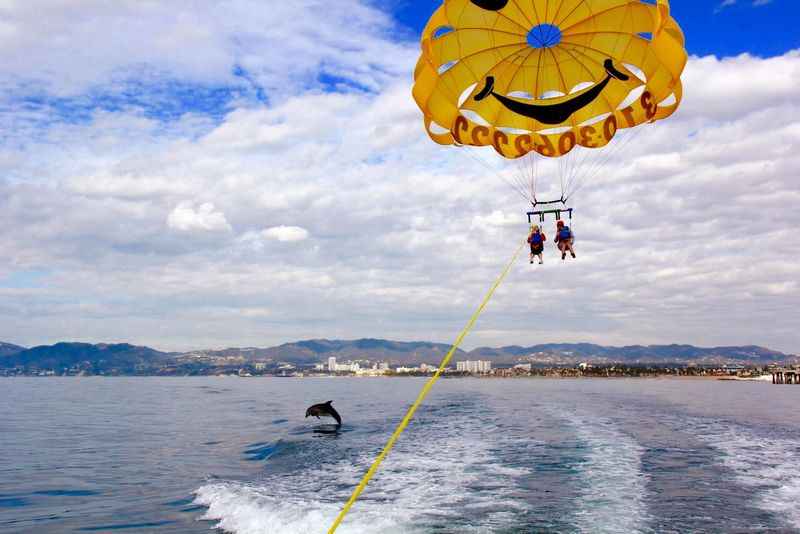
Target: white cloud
<point>186,218</point>
<point>717,87</point>
<point>286,234</point>
<point>66,49</point>
<point>728,3</point>
<point>690,235</point>
<point>497,218</point>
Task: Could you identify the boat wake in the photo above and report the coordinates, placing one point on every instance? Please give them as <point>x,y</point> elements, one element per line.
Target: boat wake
<point>614,485</point>
<point>446,472</point>
<point>766,465</point>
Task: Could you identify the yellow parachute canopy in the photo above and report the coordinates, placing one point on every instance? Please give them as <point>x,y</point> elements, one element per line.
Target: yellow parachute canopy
<point>547,75</point>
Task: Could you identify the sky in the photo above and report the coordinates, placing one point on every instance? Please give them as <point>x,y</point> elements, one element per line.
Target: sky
<point>238,173</point>
<point>720,27</point>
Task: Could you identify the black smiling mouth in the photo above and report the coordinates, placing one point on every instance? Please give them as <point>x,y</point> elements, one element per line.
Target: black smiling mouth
<point>552,113</point>
<point>490,5</point>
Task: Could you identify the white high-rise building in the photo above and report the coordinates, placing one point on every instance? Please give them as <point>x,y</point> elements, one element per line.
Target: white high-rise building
<point>332,364</point>
<point>477,367</point>
<point>349,367</point>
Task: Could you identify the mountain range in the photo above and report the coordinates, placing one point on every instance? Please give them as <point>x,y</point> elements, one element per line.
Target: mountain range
<point>6,349</point>
<point>123,357</point>
<point>130,359</point>
<point>319,350</point>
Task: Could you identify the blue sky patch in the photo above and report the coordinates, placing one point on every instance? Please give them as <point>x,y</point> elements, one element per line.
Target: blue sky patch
<point>27,114</point>
<point>745,26</point>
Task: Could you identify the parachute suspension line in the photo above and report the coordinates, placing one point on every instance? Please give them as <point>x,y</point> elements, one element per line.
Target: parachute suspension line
<point>600,163</point>
<point>529,164</point>
<point>520,175</point>
<point>622,147</point>
<point>520,184</point>
<point>527,172</point>
<point>569,161</point>
<point>424,393</point>
<point>597,166</point>
<point>572,169</point>
<point>579,160</point>
<point>469,151</point>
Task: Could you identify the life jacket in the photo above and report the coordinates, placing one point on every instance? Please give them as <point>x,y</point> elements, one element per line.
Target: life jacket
<point>536,239</point>
<point>564,234</point>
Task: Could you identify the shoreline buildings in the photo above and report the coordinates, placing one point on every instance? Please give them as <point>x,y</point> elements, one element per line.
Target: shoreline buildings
<point>479,367</point>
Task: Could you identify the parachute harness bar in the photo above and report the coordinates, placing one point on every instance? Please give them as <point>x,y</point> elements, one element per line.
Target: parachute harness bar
<point>424,393</point>
<point>557,211</point>
<point>537,202</point>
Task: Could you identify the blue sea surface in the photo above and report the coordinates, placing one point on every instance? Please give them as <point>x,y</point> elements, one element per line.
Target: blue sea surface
<point>178,455</point>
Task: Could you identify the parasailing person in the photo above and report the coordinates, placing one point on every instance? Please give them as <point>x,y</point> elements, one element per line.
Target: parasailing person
<point>564,239</point>
<point>536,239</point>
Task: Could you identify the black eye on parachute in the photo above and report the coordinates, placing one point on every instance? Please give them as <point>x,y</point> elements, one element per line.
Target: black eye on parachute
<point>490,5</point>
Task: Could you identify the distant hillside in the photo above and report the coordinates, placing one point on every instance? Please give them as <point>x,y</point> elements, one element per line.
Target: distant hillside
<point>407,353</point>
<point>580,352</point>
<point>124,357</point>
<point>7,349</point>
<point>373,349</point>
<point>130,359</point>
<point>319,350</point>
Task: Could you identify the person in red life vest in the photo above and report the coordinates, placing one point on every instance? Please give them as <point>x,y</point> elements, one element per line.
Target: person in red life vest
<point>564,239</point>
<point>537,239</point>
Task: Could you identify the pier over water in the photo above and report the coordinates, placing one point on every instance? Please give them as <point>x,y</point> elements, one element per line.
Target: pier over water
<point>785,376</point>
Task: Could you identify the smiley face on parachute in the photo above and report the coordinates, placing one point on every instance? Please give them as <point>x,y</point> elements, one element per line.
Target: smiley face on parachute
<point>531,66</point>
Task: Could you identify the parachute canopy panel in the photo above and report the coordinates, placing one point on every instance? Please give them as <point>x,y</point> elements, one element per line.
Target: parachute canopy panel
<point>547,75</point>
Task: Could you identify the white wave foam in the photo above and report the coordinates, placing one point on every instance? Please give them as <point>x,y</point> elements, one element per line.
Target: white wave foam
<point>249,509</point>
<point>767,465</point>
<point>440,471</point>
<point>614,498</point>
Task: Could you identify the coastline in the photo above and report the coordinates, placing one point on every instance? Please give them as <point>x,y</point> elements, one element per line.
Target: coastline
<point>763,378</point>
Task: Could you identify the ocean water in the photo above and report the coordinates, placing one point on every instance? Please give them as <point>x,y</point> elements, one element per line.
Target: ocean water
<point>178,455</point>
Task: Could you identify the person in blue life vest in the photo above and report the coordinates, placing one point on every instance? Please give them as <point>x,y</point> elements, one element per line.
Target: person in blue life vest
<point>564,239</point>
<point>537,238</point>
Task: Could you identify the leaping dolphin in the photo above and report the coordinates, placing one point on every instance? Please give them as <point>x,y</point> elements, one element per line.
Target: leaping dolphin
<point>325,409</point>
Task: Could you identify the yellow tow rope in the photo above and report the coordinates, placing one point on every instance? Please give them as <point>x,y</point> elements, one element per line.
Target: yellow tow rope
<point>422,394</point>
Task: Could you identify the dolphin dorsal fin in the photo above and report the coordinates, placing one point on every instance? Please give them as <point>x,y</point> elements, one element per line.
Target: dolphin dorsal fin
<point>329,402</point>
